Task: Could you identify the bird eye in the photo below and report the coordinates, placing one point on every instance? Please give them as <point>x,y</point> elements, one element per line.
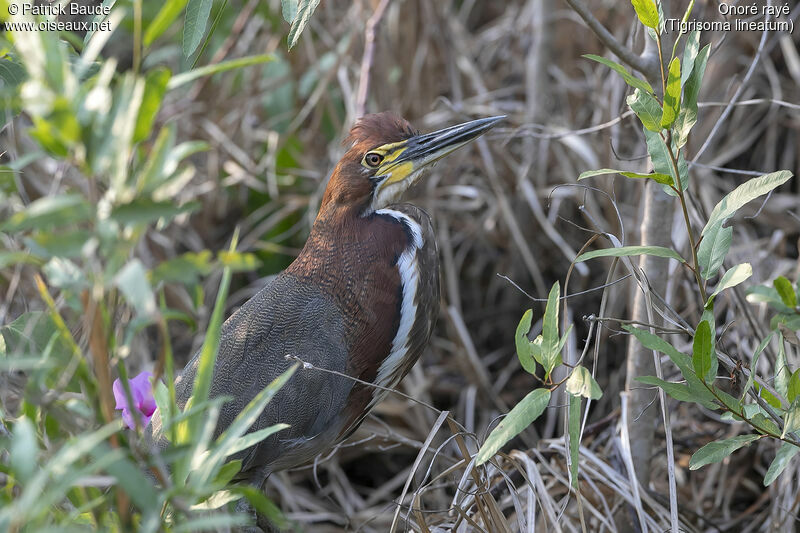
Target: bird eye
<point>373,159</point>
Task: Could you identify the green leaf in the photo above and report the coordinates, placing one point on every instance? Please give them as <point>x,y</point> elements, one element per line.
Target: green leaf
<point>691,88</point>
<point>658,178</point>
<point>13,258</point>
<point>194,27</point>
<point>305,9</point>
<point>574,428</point>
<point>647,109</point>
<point>785,291</point>
<point>781,461</point>
<point>581,383</point>
<point>631,80</point>
<point>754,363</point>
<point>659,156</point>
<point>24,449</point>
<point>49,211</point>
<point>238,261</point>
<point>647,12</point>
<point>145,211</point>
<point>733,277</point>
<point>782,372</point>
<point>672,96</point>
<point>289,10</point>
<point>793,388</point>
<point>11,73</point>
<point>155,86</point>
<point>233,439</point>
<point>716,451</point>
<point>768,295</point>
<point>551,347</point>
<point>186,77</point>
<point>132,282</point>
<point>208,353</point>
<point>768,397</point>
<point>679,391</point>
<point>713,249</point>
<point>663,179</point>
<point>526,348</point>
<point>64,274</point>
<point>521,416</point>
<point>186,269</point>
<point>700,392</point>
<point>141,491</point>
<point>744,193</point>
<point>164,19</point>
<point>689,55</point>
<point>263,505</point>
<point>623,251</point>
<point>702,351</point>
<point>791,421</point>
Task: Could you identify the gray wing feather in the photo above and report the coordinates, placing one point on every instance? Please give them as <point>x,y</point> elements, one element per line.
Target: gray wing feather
<point>285,317</point>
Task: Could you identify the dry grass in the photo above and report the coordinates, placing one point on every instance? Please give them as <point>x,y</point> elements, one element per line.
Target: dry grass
<point>498,213</point>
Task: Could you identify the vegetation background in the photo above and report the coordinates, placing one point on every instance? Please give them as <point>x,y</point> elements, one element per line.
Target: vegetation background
<point>126,169</point>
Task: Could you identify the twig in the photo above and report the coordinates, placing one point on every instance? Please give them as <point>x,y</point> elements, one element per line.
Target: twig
<point>738,92</point>
<point>366,61</point>
<point>642,64</point>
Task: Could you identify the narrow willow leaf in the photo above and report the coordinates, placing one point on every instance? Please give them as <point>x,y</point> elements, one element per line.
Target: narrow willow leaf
<point>689,55</point>
<point>687,117</point>
<point>208,353</point>
<point>744,193</point>
<point>679,391</point>
<point>132,282</point>
<point>49,211</point>
<point>164,19</point>
<point>663,179</point>
<point>194,26</point>
<point>782,372</point>
<point>716,451</point>
<point>701,351</point>
<point>781,461</point>
<point>672,95</point>
<point>186,77</point>
<point>305,8</point>
<point>551,352</point>
<point>525,348</point>
<point>289,10</point>
<point>631,80</point>
<point>699,391</point>
<point>574,428</point>
<point>647,12</point>
<point>647,109</point>
<point>655,176</point>
<point>624,251</point>
<point>662,163</point>
<point>768,396</point>
<point>754,363</point>
<point>785,291</point>
<point>24,449</point>
<point>581,383</point>
<point>768,295</point>
<point>791,421</point>
<point>793,390</point>
<point>521,416</point>
<point>733,277</point>
<point>713,249</point>
<point>155,86</point>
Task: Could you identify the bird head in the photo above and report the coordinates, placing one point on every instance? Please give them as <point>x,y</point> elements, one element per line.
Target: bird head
<point>385,156</point>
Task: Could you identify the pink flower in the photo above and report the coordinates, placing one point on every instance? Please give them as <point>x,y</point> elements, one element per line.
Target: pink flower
<point>144,404</point>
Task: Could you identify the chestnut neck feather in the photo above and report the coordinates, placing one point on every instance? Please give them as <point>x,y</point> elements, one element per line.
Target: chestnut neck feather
<point>354,260</point>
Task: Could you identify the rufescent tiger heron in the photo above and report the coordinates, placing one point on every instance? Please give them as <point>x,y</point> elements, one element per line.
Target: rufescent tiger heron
<point>361,299</point>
